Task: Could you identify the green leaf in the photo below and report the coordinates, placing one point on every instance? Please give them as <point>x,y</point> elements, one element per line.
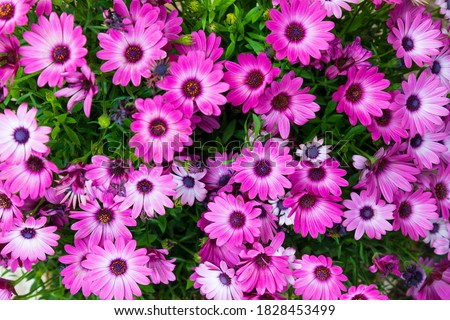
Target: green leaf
<point>230,50</point>
<point>72,135</point>
<point>256,46</point>
<point>224,4</point>
<point>229,130</point>
<point>256,11</point>
<point>257,124</point>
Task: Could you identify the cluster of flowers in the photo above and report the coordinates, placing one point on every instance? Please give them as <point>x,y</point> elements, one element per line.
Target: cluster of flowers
<point>249,195</point>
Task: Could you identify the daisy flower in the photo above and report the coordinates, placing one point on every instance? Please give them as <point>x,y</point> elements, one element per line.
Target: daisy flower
<point>298,31</point>
<point>363,292</point>
<point>9,208</point>
<point>363,96</point>
<point>9,58</point>
<point>268,227</point>
<point>137,12</point>
<point>435,286</point>
<point>172,25</point>
<point>441,67</point>
<point>12,13</point>
<point>312,214</point>
<point>442,246</point>
<point>194,84</point>
<point>161,270</point>
<point>415,39</point>
<point>131,53</point>
<point>147,191</point>
<point>43,7</point>
<point>440,229</point>
<point>262,269</point>
<point>161,130</point>
<point>334,7</point>
<point>105,171</point>
<point>189,187</point>
<point>284,103</point>
<point>367,214</point>
<point>282,212</point>
<point>248,79</point>
<point>219,173</point>
<point>30,240</point>
<point>232,220</point>
<point>117,269</point>
<point>211,252</point>
<point>294,263</point>
<point>30,178</point>
<point>74,273</point>
<point>6,289</point>
<point>421,105</point>
<point>74,186</point>
<point>426,150</point>
<point>386,265</point>
<point>319,279</point>
<point>216,282</point>
<point>21,136</point>
<point>262,171</point>
<point>445,8</point>
<point>323,179</point>
<point>210,45</point>
<point>56,48</point>
<point>440,185</point>
<point>315,151</point>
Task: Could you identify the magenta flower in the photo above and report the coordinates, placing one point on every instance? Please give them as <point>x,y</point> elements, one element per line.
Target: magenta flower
<point>12,13</point>
<point>248,79</point>
<point>9,58</point>
<point>442,246</point>
<point>268,228</point>
<point>74,273</point>
<point>216,282</point>
<point>9,208</point>
<point>262,171</point>
<point>189,187</point>
<point>440,185</point>
<point>194,84</point>
<point>441,229</point>
<point>30,240</point>
<point>161,130</point>
<point>298,31</point>
<point>363,96</point>
<point>334,7</point>
<point>105,172</point>
<point>262,269</point>
<point>6,289</point>
<point>284,103</point>
<point>210,45</point>
<point>211,252</point>
<point>117,269</point>
<point>232,220</point>
<point>367,214</point>
<point>147,192</point>
<point>219,173</point>
<point>137,12</point>
<point>74,186</point>
<point>81,87</point>
<point>386,265</point>
<point>21,136</point>
<point>426,150</point>
<point>160,268</point>
<point>319,279</point>
<point>43,7</point>
<point>56,48</point>
<point>132,52</point>
<point>172,25</point>
<point>363,292</point>
<point>441,66</point>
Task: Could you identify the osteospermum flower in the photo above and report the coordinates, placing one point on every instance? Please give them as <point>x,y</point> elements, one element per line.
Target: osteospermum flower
<point>248,79</point>
<point>386,265</point>
<point>284,103</point>
<point>172,25</point>
<point>189,187</point>
<point>218,173</point>
<point>74,273</point>
<point>367,214</point>
<point>132,52</point>
<point>442,246</point>
<point>12,13</point>
<point>298,31</point>
<point>416,39</point>
<point>194,84</point>
<point>42,7</point>
<point>441,229</point>
<point>211,252</point>
<point>105,171</point>
<point>21,135</point>
<point>282,212</point>
<point>315,151</point>
<point>426,150</point>
<point>268,220</point>
<point>441,66</point>
<point>363,96</point>
<point>6,289</point>
<point>56,47</point>
<point>9,58</point>
<point>160,268</point>
<point>232,220</point>
<point>30,240</point>
<point>216,282</point>
<point>363,292</point>
<point>262,269</point>
<point>210,45</point>
<point>9,208</point>
<point>74,186</point>
<point>440,185</point>
<point>147,191</point>
<point>135,13</point>
<point>421,105</point>
<point>319,279</point>
<point>117,269</point>
<point>161,130</point>
<point>334,7</point>
<point>262,171</point>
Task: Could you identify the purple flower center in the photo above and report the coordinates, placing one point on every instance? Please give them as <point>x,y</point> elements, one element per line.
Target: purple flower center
<point>158,127</point>
<point>28,233</point>
<point>12,57</point>
<point>188,182</point>
<point>6,11</point>
<point>263,213</point>
<point>354,93</point>
<point>161,68</point>
<point>21,135</point>
<point>385,119</point>
<point>105,215</point>
<point>191,88</point>
<point>312,152</point>
<point>5,202</point>
<point>266,296</point>
<point>436,67</point>
<point>116,168</point>
<point>133,54</point>
<point>404,210</point>
<point>407,44</point>
<point>413,103</point>
<point>280,205</point>
<point>441,191</point>
<point>224,179</point>
<point>262,260</point>
<point>307,201</point>
<point>237,220</point>
<point>35,164</point>
<point>316,174</point>
<point>118,267</point>
<point>280,102</point>
<point>61,54</point>
<point>322,273</point>
<point>359,297</point>
<point>435,229</point>
<point>416,141</point>
<point>366,213</point>
<point>225,279</point>
<point>295,32</point>
<point>144,186</point>
<point>255,79</point>
<point>262,168</point>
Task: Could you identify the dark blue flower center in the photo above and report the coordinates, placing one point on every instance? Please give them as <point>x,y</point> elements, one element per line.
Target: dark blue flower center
<point>322,273</point>
<point>61,54</point>
<point>436,227</point>
<point>21,135</point>
<point>404,210</point>
<point>316,174</point>
<point>416,141</point>
<point>385,119</point>
<point>224,179</point>
<point>225,279</point>
<point>262,168</point>
<point>407,44</point>
<point>237,220</point>
<point>359,297</point>
<point>35,164</point>
<point>436,67</point>
<point>312,152</point>
<point>366,213</point>
<point>118,267</point>
<point>28,233</point>
<point>133,54</point>
<point>188,182</point>
<point>144,186</point>
<point>295,32</point>
<point>161,69</point>
<point>413,103</point>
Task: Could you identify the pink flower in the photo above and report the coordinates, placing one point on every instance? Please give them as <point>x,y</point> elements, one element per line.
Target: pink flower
<point>426,150</point>
<point>219,173</point>
<point>210,45</point>
<point>440,185</point>
<point>268,228</point>
<point>211,252</point>
<point>189,187</point>
<point>441,66</point>
<point>172,25</point>
<point>442,246</point>
<point>12,13</point>
<point>9,208</point>
<point>386,265</point>
<point>160,268</point>
<point>363,292</point>
<point>9,58</point>
<point>314,151</point>
<point>334,7</point>
<point>105,172</point>
<point>6,289</point>
<point>43,7</point>
<point>74,186</point>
